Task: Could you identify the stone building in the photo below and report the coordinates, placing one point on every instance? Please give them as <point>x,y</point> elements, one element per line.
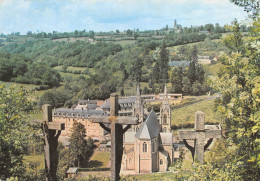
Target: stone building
<point>147,149</point>
<point>68,116</point>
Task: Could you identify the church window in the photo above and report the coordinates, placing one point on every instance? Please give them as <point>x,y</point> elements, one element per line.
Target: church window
<point>153,146</point>
<point>144,147</point>
<point>165,119</point>
<point>130,160</point>
<point>161,162</point>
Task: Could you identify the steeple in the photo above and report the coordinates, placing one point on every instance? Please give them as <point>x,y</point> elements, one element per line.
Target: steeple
<point>165,102</point>
<point>138,108</point>
<point>165,113</point>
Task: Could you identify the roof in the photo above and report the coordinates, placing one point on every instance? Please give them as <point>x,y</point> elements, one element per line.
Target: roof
<point>164,152</point>
<point>79,113</point>
<point>121,101</point>
<point>150,128</point>
<point>166,138</point>
<point>72,170</point>
<point>129,137</point>
<point>84,102</point>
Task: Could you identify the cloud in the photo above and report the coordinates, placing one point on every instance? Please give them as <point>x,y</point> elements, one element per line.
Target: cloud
<point>106,15</point>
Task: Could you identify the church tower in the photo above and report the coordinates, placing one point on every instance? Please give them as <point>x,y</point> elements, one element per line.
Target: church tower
<point>165,113</point>
<point>138,110</point>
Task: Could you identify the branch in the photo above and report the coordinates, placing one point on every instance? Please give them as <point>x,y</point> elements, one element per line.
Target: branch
<point>126,128</point>
<point>57,135</point>
<point>105,128</point>
<point>208,143</point>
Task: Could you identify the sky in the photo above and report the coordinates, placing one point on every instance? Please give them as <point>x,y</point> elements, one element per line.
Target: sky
<point>108,15</point>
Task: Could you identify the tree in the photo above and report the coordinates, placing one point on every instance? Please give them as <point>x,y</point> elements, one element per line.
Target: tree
<point>129,32</point>
<point>176,79</point>
<point>163,62</point>
<point>234,41</point>
<point>238,83</point>
<point>137,69</point>
<point>79,148</point>
<point>250,6</point>
<point>14,130</point>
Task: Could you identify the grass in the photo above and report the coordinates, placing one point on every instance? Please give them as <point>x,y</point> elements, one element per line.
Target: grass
<point>35,158</point>
<point>99,160</point>
<point>213,69</point>
<point>18,85</point>
<point>157,176</point>
<point>187,161</point>
<point>72,75</point>
<point>187,114</point>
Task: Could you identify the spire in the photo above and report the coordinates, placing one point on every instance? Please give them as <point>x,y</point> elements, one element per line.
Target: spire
<point>165,102</point>
<point>138,108</point>
<point>138,89</point>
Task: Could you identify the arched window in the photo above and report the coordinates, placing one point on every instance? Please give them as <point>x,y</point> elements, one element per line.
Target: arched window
<point>161,162</point>
<point>144,147</point>
<point>130,160</point>
<point>165,119</point>
<point>137,128</point>
<point>153,145</point>
<point>164,129</point>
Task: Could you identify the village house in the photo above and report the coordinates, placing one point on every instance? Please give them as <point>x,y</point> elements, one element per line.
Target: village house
<point>204,60</point>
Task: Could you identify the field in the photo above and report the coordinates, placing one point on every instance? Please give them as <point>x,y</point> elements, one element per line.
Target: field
<point>186,114</point>
<point>35,158</point>
<point>158,176</point>
<point>99,160</point>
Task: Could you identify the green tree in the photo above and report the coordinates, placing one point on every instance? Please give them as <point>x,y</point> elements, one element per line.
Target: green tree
<point>14,130</point>
<point>137,69</point>
<point>163,61</point>
<point>234,42</point>
<point>176,79</point>
<point>79,148</point>
<point>250,6</point>
<point>239,86</point>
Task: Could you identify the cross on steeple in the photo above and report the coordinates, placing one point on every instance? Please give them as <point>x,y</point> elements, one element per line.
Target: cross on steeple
<point>199,135</point>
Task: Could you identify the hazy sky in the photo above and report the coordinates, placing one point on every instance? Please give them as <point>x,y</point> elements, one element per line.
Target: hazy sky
<point>109,15</point>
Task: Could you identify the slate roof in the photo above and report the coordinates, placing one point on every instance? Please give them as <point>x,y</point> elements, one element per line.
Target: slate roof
<point>77,113</point>
<point>129,137</point>
<point>84,102</point>
<point>150,128</point>
<point>166,138</point>
<point>164,152</point>
<point>123,102</point>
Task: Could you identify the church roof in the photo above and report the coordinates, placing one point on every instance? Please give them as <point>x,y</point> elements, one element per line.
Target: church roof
<point>166,138</point>
<point>123,102</point>
<point>164,152</point>
<point>150,128</point>
<point>129,137</point>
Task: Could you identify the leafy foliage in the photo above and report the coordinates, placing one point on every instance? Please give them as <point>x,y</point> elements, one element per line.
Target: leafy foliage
<point>79,148</point>
<point>14,130</point>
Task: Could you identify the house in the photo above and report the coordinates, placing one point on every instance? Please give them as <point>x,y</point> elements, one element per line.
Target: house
<point>72,172</point>
<point>204,60</point>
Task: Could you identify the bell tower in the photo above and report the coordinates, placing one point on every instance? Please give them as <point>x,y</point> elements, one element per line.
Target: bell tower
<point>138,110</point>
<point>165,113</point>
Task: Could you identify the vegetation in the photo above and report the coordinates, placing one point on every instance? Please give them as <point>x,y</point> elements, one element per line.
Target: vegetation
<point>14,131</point>
<point>184,116</point>
<point>79,148</point>
<point>17,68</point>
